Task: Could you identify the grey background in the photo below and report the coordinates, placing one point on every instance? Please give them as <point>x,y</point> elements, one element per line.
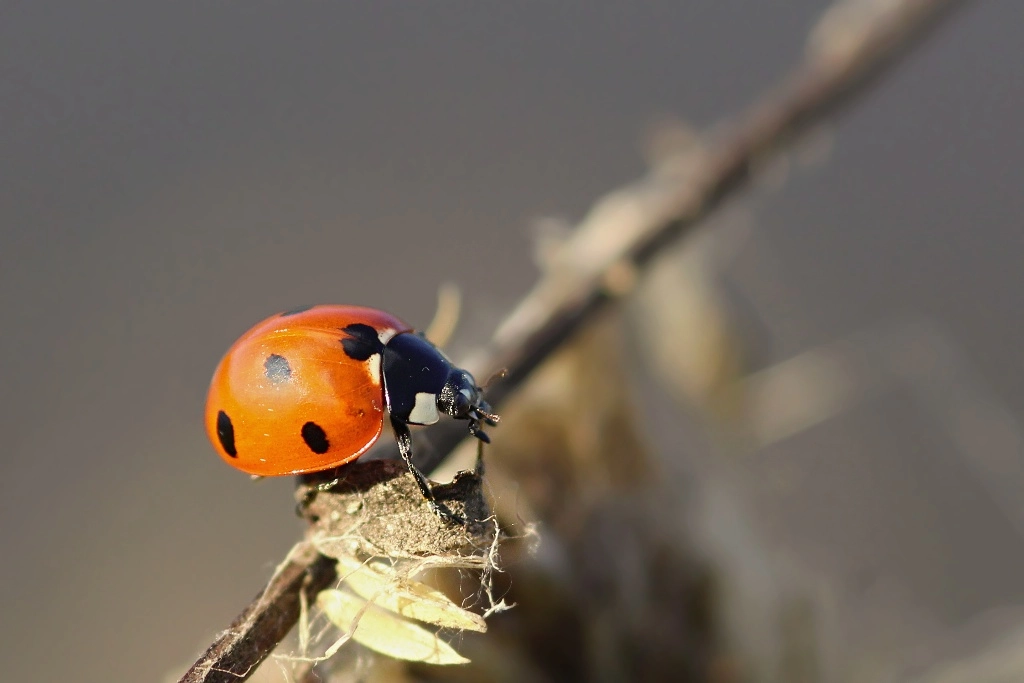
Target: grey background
<point>171,173</point>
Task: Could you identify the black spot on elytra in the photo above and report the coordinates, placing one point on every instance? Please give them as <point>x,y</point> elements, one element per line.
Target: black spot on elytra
<point>226,434</point>
<point>315,437</point>
<point>361,342</point>
<point>277,369</point>
<point>294,311</point>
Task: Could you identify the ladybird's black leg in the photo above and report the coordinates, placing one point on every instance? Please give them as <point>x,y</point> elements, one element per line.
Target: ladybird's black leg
<point>327,485</point>
<point>474,429</point>
<point>311,493</point>
<point>481,439</point>
<point>479,469</point>
<point>404,439</point>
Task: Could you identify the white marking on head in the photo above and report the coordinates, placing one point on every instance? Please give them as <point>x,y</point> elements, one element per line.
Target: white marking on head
<point>424,411</point>
<point>385,334</point>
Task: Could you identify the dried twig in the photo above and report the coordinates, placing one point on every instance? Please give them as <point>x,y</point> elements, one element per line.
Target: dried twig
<point>849,49</point>
<point>265,622</point>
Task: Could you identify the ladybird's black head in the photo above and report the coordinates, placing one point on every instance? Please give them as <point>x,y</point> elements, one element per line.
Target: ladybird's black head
<point>459,395</point>
<point>462,399</point>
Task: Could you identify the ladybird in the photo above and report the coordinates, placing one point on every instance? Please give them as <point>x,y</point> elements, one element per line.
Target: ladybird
<point>308,390</point>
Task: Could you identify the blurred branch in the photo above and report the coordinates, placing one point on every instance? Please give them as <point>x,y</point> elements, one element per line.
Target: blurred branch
<point>848,50</point>
<point>852,45</point>
<point>266,621</point>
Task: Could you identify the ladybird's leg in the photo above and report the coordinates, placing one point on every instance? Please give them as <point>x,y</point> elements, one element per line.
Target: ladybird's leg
<point>322,486</point>
<point>474,429</point>
<point>404,439</point>
<point>481,439</point>
<point>479,469</point>
<point>315,484</point>
<point>311,493</point>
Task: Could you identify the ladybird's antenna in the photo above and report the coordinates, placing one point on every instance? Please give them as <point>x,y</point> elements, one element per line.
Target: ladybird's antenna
<point>483,409</point>
<point>495,376</point>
